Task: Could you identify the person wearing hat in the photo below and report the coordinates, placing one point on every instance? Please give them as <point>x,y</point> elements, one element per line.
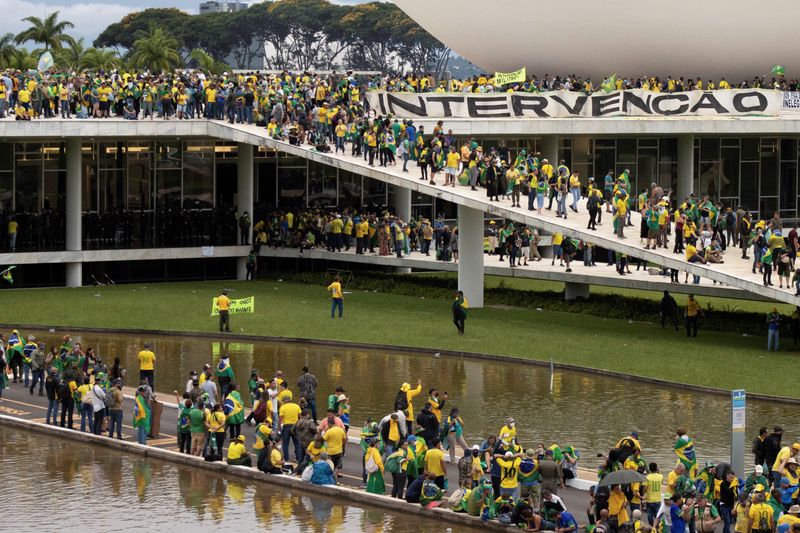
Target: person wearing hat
<point>789,519</point>
<point>786,453</point>
<point>756,478</point>
<point>237,453</point>
<point>788,469</point>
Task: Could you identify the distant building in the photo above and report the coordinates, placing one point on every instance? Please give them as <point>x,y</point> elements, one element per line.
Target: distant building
<point>220,6</point>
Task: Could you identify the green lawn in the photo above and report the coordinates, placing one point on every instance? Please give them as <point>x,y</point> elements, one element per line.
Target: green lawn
<point>730,304</point>
<point>723,360</point>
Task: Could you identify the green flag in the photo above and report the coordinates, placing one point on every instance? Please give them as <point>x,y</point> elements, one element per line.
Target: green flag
<point>778,70</point>
<point>6,275</point>
<point>141,413</point>
<point>610,85</point>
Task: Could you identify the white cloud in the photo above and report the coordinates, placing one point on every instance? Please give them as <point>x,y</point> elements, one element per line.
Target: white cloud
<point>90,19</point>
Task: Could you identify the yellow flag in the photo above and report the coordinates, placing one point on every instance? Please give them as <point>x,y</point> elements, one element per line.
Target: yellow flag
<point>502,78</point>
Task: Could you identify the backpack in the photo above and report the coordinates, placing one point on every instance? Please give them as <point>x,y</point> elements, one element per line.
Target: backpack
<point>108,401</point>
<point>465,468</point>
<point>592,202</point>
<point>401,401</point>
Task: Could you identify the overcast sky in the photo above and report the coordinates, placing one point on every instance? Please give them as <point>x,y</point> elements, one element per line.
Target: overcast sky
<point>90,17</point>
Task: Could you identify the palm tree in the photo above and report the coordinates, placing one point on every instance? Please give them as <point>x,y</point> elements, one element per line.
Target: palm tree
<point>156,50</point>
<point>205,62</point>
<point>24,60</point>
<point>7,48</point>
<point>48,31</point>
<point>100,59</point>
<point>71,57</point>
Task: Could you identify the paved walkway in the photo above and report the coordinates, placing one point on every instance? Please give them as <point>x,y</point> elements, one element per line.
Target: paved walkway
<point>17,401</point>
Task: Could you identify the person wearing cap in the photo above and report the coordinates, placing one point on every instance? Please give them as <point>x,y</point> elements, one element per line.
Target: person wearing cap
<point>783,456</point>
<point>757,477</point>
<point>788,469</point>
<point>509,467</point>
<point>510,428</point>
<point>147,362</point>
<point>190,383</point>
<point>237,453</point>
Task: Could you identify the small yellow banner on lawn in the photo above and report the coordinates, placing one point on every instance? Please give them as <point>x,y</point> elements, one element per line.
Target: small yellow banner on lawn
<point>501,78</point>
<point>242,305</point>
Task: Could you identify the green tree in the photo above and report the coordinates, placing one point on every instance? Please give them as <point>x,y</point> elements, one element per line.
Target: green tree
<point>70,56</point>
<point>206,62</point>
<point>156,50</point>
<point>48,31</point>
<point>307,22</point>
<point>24,60</point>
<point>100,59</point>
<point>7,48</point>
<point>123,34</point>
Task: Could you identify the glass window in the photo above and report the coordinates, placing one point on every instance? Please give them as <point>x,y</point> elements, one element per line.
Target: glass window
<point>648,167</point>
<point>709,179</point>
<point>730,142</point>
<point>55,190</point>
<point>709,149</point>
<point>668,175</point>
<point>769,171</point>
<point>28,186</point>
<point>668,150</point>
<point>648,143</point>
<point>112,155</point>
<point>750,149</point>
<point>767,206</point>
<point>112,190</point>
<point>729,178</point>
<point>168,189</point>
<point>226,149</point>
<point>626,150</point>
<point>374,193</point>
<point>605,143</point>
<point>604,160</point>
<point>89,178</point>
<point>788,149</point>
<point>291,186</point>
<point>6,156</point>
<point>6,190</point>
<point>198,180</point>
<point>350,189</point>
<point>321,185</point>
<point>140,182</point>
<point>749,185</point>
<point>267,182</point>
<point>788,192</point>
<point>168,154</point>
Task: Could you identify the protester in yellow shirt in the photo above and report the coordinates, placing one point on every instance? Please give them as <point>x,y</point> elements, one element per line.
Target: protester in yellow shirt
<point>147,361</point>
<point>337,300</point>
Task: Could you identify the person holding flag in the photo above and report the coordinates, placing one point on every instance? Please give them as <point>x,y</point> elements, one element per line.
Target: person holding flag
<point>684,449</point>
<point>7,276</point>
<point>225,375</point>
<point>141,415</point>
<point>234,411</point>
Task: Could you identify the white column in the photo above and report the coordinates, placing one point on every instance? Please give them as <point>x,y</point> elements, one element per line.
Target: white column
<point>685,167</point>
<point>550,149</point>
<point>402,202</point>
<point>573,291</point>
<point>74,272</point>
<point>470,254</point>
<point>244,198</point>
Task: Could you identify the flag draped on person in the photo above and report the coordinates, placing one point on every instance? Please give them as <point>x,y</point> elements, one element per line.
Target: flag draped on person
<point>141,412</point>
<point>232,407</point>
<point>684,449</point>
<point>610,85</point>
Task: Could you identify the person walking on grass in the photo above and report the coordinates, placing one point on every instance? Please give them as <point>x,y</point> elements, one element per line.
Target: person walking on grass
<point>773,330</point>
<point>224,306</point>
<point>335,289</point>
<point>460,306</point>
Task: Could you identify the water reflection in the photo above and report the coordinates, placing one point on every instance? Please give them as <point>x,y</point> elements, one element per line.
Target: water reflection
<point>132,492</point>
<point>588,412</point>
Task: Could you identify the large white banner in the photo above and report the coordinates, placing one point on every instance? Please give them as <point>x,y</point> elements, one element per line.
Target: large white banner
<point>791,100</point>
<point>566,104</point>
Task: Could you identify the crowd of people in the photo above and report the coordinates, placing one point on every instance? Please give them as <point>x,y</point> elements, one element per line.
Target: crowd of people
<point>502,477</point>
<point>269,98</point>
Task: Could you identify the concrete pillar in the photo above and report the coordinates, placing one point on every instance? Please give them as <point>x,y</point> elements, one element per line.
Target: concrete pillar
<point>244,197</point>
<point>470,254</point>
<point>74,272</point>
<point>550,149</point>
<point>402,203</point>
<point>685,167</point>
<point>573,291</point>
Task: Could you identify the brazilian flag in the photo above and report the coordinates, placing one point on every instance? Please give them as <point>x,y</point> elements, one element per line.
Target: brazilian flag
<point>232,407</point>
<point>141,413</point>
<point>684,449</point>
